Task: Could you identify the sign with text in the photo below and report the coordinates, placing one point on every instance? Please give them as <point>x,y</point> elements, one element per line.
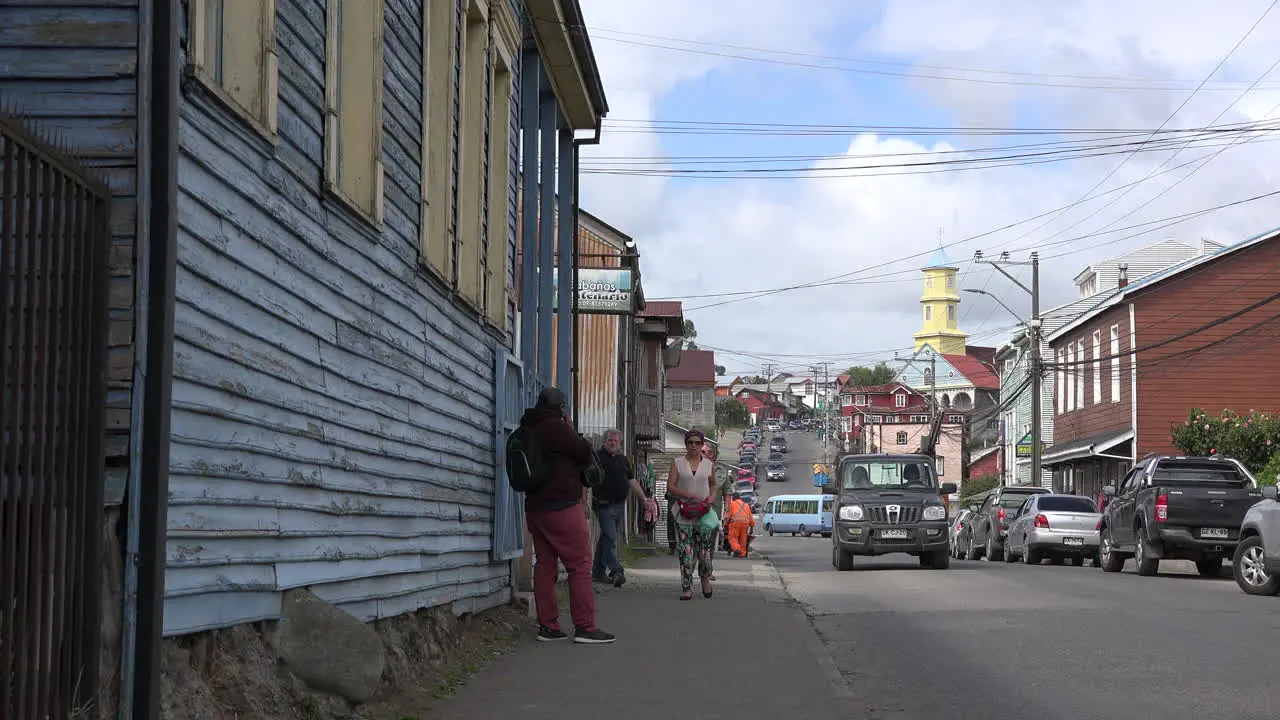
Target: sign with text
<point>1023,448</point>
<point>601,291</point>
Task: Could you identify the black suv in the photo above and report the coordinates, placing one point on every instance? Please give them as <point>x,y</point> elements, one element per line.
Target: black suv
<point>890,504</point>
<point>778,444</point>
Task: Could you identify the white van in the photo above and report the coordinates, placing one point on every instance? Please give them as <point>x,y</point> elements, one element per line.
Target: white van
<point>799,514</point>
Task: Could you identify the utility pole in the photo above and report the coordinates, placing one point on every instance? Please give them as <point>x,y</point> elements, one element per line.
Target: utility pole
<point>768,387</point>
<point>1037,375</point>
<point>1033,352</point>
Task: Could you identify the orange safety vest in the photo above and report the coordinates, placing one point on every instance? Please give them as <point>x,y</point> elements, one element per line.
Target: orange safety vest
<point>739,512</point>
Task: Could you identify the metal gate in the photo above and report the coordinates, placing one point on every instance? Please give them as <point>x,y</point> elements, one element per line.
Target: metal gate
<point>54,236</point>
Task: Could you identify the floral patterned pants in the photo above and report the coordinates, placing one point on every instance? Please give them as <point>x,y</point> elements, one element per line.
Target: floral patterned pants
<point>694,546</point>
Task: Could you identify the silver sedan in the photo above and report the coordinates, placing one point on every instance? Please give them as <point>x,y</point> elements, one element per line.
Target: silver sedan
<point>1054,527</point>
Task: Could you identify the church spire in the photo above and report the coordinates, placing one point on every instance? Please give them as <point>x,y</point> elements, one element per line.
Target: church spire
<point>940,305</point>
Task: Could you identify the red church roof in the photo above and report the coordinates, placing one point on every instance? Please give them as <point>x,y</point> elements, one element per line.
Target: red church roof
<point>982,376</point>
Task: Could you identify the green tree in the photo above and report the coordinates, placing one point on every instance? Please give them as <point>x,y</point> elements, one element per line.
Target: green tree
<point>978,485</point>
<point>690,334</point>
<point>756,380</point>
<point>880,374</point>
<point>731,413</point>
<point>720,370</point>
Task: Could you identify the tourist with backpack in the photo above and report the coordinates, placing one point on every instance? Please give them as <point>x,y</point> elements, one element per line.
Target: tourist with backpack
<point>549,462</point>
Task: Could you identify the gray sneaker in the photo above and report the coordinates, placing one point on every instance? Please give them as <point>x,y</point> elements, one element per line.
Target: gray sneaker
<point>593,637</point>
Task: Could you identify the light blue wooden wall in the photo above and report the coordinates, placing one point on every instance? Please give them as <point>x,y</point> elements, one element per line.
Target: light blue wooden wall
<point>333,408</point>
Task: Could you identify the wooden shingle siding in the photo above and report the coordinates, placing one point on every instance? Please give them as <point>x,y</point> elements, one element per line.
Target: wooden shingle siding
<point>333,407</point>
<point>71,70</point>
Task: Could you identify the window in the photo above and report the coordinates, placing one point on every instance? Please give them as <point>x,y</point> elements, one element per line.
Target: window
<point>900,400</point>
<point>928,283</point>
<point>951,313</point>
<point>1071,379</point>
<point>1115,363</point>
<point>846,423</point>
<point>233,52</point>
<point>955,418</point>
<point>928,312</point>
<point>439,23</point>
<point>1080,369</point>
<point>919,418</point>
<point>1008,366</point>
<point>846,400</point>
<point>877,418</point>
<point>498,290</point>
<point>1097,366</point>
<point>860,400</point>
<point>901,438</point>
<point>675,398</point>
<point>473,153</point>
<point>353,100</point>
<point>1059,390</point>
<point>951,281</point>
<point>697,398</point>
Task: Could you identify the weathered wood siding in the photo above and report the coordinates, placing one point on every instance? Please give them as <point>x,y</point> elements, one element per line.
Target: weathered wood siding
<point>333,407</point>
<point>72,70</point>
<point>1228,366</point>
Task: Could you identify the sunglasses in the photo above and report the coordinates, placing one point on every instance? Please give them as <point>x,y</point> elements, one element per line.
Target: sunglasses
<point>692,442</point>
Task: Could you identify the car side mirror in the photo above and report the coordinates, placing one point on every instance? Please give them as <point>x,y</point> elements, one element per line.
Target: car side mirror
<point>948,489</point>
<point>1109,490</point>
<point>1269,492</point>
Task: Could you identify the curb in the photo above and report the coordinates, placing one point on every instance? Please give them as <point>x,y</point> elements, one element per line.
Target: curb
<point>839,686</point>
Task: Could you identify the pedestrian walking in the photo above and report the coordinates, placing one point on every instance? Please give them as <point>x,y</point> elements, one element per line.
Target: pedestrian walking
<point>738,522</point>
<point>610,502</point>
<point>556,521</point>
<point>691,487</point>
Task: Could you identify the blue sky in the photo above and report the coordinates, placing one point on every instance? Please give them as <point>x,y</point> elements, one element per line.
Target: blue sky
<point>699,237</point>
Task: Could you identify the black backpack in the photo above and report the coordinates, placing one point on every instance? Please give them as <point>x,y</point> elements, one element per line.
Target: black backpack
<point>526,462</point>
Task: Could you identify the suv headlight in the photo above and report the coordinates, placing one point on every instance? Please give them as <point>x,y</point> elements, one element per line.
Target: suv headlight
<point>935,512</point>
<point>852,513</point>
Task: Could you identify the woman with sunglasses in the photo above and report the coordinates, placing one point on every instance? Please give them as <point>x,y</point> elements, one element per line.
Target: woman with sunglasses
<point>691,489</point>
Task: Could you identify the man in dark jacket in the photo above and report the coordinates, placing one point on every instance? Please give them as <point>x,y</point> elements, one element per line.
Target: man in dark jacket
<point>558,523</point>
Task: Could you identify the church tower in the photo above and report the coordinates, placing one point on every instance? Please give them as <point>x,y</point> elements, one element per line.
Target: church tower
<point>940,305</point>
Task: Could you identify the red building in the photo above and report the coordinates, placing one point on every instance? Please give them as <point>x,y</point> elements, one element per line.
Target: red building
<point>1200,334</point>
<point>760,406</point>
<point>985,462</point>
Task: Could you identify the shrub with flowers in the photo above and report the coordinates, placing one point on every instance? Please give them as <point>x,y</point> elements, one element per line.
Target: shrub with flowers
<point>1253,438</point>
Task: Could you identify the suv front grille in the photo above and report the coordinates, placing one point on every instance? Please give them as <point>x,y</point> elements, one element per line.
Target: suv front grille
<point>906,515</point>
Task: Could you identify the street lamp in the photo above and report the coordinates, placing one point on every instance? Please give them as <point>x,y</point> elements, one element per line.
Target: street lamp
<point>999,302</point>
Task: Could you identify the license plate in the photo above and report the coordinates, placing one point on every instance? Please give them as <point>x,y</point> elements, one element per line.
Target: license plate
<point>1073,541</point>
<point>894,534</point>
<point>1214,532</point>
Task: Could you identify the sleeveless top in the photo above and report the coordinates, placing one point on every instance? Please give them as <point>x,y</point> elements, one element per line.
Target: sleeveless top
<point>689,482</point>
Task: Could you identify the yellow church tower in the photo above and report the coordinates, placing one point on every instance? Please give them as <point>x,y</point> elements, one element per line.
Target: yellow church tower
<point>940,304</point>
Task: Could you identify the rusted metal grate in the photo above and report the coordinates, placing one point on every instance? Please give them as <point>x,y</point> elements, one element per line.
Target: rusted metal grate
<point>54,237</point>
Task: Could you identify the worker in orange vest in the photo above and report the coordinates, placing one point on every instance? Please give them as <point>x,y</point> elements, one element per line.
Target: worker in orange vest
<point>738,521</point>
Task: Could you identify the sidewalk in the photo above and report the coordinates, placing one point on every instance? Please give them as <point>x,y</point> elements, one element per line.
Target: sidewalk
<point>745,653</point>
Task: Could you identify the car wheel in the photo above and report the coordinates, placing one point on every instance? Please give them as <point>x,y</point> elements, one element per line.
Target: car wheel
<point>1108,559</point>
<point>971,552</point>
<point>1248,567</point>
<point>1031,557</point>
<point>1008,556</point>
<point>993,553</point>
<point>842,560</point>
<point>1147,565</point>
<point>804,532</point>
<point>941,560</point>
<point>769,529</point>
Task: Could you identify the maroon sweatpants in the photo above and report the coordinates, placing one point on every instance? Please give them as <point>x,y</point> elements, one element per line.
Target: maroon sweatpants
<point>563,536</point>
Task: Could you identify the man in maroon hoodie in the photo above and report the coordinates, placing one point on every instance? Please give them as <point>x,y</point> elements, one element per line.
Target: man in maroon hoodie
<point>558,523</point>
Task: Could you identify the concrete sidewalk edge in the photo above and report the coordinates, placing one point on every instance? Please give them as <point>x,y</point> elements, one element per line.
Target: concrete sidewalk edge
<point>840,687</point>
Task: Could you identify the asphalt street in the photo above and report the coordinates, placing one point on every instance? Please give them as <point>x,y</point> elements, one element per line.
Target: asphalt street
<point>989,640</point>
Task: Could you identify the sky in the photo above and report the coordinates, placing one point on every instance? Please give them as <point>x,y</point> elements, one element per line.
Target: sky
<point>750,147</point>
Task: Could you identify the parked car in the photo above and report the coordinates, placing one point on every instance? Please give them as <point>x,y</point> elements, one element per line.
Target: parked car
<point>954,530</point>
<point>991,522</point>
<point>1256,563</point>
<point>1176,508</point>
<point>744,485</point>
<point>776,472</point>
<point>1054,526</point>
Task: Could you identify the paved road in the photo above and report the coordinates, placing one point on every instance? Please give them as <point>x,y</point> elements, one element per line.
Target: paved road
<point>991,641</point>
<point>805,450</point>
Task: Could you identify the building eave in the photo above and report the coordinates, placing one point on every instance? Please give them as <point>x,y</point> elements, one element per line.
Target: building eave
<point>566,52</point>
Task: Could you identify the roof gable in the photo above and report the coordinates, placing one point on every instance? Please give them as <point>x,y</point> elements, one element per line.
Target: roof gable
<point>1168,274</point>
<point>697,367</point>
<point>953,371</point>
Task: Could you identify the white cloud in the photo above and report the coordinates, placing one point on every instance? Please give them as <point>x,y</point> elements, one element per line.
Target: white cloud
<point>740,235</point>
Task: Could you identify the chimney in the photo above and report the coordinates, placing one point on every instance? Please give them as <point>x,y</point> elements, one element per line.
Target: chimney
<point>1124,276</point>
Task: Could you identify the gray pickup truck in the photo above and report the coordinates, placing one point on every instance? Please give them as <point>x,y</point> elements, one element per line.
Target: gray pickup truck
<point>890,504</point>
<point>1176,508</point>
